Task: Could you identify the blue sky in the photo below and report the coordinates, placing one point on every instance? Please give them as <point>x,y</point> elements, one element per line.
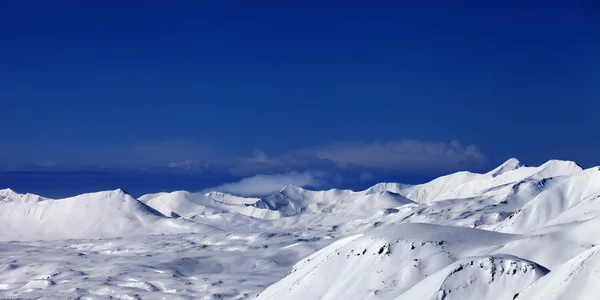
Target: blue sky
<point>268,87</point>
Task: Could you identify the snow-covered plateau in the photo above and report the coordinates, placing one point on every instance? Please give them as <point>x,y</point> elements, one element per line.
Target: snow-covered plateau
<point>517,233</point>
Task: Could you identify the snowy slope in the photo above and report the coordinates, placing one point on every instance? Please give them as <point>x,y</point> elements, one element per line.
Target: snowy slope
<point>381,264</point>
<point>488,277</point>
<point>485,211</point>
<point>467,184</point>
<point>575,279</point>
<point>576,198</point>
<point>508,166</point>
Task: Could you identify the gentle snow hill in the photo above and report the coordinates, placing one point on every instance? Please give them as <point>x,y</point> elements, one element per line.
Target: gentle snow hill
<point>573,199</point>
<point>497,277</point>
<point>293,200</point>
<point>580,232</point>
<point>467,184</point>
<point>576,279</point>
<point>382,263</point>
<point>95,215</point>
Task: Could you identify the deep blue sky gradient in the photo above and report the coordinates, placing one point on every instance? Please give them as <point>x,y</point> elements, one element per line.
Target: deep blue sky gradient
<point>516,78</point>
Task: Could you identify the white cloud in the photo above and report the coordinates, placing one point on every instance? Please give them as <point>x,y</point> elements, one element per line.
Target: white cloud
<point>262,185</point>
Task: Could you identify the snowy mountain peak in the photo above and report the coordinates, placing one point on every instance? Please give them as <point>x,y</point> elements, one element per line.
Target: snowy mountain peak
<point>291,188</point>
<point>564,164</point>
<point>510,165</point>
<point>7,191</point>
<point>119,191</point>
<point>387,186</point>
<point>230,199</point>
<point>8,195</point>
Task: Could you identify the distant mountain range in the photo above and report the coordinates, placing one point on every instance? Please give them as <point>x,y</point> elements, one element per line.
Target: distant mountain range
<point>515,232</point>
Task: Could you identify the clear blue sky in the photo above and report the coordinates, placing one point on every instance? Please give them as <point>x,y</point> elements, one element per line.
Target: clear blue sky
<point>153,83</point>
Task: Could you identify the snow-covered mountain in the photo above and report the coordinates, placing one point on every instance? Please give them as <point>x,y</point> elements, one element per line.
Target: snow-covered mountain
<point>188,205</point>
<point>293,200</point>
<point>103,214</point>
<point>515,232</point>
<point>575,198</point>
<point>467,184</point>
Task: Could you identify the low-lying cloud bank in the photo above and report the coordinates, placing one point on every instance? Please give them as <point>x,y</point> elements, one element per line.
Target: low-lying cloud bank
<point>263,185</point>
<point>402,155</point>
<point>359,162</point>
<point>340,165</point>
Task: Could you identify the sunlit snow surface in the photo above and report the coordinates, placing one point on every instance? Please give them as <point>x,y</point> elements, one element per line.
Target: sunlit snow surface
<point>177,266</point>
<point>516,232</point>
